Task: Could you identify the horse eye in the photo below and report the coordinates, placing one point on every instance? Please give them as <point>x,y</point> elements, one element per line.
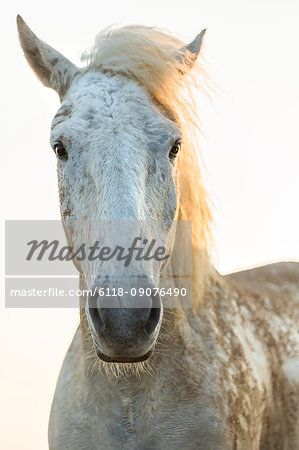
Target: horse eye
<point>175,149</point>
<point>60,151</point>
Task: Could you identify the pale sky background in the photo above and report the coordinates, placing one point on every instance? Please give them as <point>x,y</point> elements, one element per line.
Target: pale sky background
<point>251,151</point>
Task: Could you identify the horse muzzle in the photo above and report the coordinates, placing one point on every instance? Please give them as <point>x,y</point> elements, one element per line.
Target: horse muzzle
<point>124,322</point>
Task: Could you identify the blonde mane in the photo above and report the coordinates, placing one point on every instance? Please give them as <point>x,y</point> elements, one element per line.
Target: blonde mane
<point>153,58</point>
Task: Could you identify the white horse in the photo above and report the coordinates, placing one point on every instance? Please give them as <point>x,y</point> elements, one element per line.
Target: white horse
<point>223,374</point>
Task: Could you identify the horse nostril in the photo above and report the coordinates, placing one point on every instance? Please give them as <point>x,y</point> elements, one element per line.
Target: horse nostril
<point>153,319</point>
<point>154,314</point>
<point>94,312</point>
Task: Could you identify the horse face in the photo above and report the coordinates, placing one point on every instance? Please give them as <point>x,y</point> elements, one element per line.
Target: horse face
<point>116,156</point>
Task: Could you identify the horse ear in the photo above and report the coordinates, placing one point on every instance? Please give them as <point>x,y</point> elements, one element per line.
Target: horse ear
<point>52,68</point>
<point>187,55</point>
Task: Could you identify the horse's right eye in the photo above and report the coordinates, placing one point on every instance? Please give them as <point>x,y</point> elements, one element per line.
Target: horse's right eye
<point>60,151</point>
<point>175,149</point>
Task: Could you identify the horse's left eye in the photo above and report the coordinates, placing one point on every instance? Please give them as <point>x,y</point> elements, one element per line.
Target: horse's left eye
<point>60,151</point>
<point>175,149</point>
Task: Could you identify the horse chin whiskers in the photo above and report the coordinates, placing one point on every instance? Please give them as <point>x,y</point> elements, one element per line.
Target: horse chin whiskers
<point>119,370</point>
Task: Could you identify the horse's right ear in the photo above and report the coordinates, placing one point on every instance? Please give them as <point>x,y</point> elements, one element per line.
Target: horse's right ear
<point>188,54</point>
<point>51,67</point>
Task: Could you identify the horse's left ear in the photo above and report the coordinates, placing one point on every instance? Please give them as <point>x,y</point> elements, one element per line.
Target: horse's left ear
<point>187,55</point>
<point>50,66</point>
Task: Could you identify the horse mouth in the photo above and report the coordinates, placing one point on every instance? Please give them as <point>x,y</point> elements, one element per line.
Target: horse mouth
<point>123,359</point>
